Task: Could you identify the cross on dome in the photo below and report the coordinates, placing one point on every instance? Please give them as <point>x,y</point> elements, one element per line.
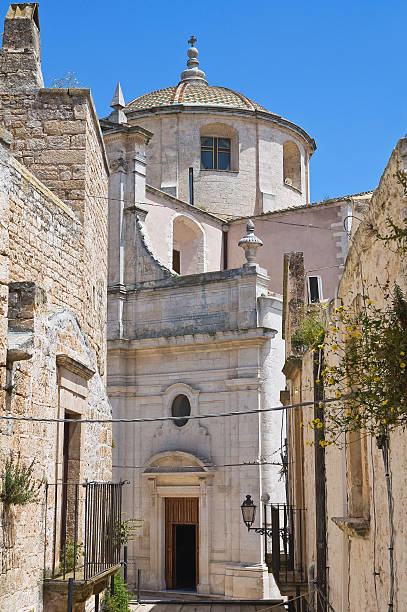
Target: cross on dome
<point>192,41</point>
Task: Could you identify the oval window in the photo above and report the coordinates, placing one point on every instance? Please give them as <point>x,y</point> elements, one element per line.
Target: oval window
<point>180,408</point>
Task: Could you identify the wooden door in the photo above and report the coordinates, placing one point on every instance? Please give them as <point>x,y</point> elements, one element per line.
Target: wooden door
<point>179,511</point>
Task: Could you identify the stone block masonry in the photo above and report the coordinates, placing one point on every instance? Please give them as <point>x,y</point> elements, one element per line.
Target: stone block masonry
<point>57,137</point>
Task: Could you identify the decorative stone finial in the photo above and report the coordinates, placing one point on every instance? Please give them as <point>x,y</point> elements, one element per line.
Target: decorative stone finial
<point>118,104</point>
<point>250,243</point>
<point>193,73</point>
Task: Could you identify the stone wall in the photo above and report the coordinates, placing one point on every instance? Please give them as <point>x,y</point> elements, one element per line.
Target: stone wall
<point>353,554</point>
<point>357,546</point>
<point>45,305</point>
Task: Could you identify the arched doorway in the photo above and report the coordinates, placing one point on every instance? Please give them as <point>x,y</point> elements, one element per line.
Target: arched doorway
<point>188,255</point>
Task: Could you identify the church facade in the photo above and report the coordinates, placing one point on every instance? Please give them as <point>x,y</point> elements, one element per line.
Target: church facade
<point>194,323</point>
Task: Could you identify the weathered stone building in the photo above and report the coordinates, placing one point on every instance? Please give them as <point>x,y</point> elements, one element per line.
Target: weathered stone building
<point>350,529</point>
<point>193,329</point>
<point>53,277</point>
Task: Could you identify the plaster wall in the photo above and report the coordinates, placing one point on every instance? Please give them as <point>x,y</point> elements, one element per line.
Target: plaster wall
<point>313,230</point>
<point>162,211</point>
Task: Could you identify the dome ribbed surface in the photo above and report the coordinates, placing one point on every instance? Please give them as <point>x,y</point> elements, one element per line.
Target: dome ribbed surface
<point>193,94</point>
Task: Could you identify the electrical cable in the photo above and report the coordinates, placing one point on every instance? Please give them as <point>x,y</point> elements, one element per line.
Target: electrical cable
<point>221,465</point>
<point>164,418</point>
<point>307,225</point>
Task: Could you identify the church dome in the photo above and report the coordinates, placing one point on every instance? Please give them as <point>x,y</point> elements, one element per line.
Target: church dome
<point>190,93</point>
<point>193,90</point>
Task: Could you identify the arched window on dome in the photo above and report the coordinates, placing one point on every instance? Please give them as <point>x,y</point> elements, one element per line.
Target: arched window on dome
<point>188,250</point>
<point>292,165</point>
<point>219,147</point>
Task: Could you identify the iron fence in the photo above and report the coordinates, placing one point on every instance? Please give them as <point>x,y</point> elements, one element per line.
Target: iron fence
<point>287,543</point>
<point>82,529</point>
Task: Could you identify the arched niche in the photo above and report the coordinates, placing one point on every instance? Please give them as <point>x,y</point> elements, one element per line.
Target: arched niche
<point>292,165</point>
<point>223,130</point>
<point>188,246</point>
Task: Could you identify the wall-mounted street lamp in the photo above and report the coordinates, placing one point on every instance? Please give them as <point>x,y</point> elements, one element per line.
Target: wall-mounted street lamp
<point>249,514</point>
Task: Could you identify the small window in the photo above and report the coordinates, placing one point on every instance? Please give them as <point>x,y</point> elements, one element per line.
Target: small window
<point>181,407</point>
<point>176,261</point>
<point>215,153</point>
<point>314,289</point>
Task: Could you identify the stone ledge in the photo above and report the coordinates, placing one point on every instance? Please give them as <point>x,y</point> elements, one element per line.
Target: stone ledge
<point>74,366</point>
<point>352,526</point>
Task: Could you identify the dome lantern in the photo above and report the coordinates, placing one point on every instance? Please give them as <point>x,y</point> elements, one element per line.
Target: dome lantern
<point>193,73</point>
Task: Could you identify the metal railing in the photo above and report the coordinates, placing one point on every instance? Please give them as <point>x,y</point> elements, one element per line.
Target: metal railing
<point>82,529</point>
<point>286,560</point>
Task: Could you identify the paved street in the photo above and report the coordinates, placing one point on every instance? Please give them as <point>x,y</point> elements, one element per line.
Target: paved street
<point>215,606</point>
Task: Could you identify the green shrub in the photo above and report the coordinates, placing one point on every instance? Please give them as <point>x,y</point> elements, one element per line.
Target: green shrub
<point>310,331</point>
<point>120,600</point>
<point>18,485</point>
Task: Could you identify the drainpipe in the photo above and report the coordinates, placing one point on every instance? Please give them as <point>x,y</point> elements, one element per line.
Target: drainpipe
<point>225,230</point>
<point>191,186</point>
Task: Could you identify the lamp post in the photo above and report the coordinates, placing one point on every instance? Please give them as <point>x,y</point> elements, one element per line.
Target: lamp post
<point>249,514</point>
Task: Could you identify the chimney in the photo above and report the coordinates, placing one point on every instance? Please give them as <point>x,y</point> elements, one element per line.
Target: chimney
<point>20,57</point>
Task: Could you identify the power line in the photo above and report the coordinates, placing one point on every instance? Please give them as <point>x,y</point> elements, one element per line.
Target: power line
<point>197,209</point>
<point>164,418</point>
<point>222,465</point>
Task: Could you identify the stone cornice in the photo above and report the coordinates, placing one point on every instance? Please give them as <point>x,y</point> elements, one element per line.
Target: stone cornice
<point>74,366</point>
<point>206,341</point>
<point>223,110</point>
<point>115,131</point>
<point>190,280</point>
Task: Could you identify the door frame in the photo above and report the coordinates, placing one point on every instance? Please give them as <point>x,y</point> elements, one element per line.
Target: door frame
<point>196,488</point>
<point>185,512</point>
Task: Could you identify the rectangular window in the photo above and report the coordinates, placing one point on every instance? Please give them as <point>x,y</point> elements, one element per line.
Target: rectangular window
<point>314,289</point>
<point>215,153</point>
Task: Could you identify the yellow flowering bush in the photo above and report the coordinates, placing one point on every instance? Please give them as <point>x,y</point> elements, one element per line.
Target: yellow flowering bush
<point>369,379</point>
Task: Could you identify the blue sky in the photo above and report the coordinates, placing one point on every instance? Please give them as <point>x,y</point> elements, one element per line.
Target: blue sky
<point>335,68</point>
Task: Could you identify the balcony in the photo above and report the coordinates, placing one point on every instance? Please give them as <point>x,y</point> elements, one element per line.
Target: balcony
<point>82,539</point>
<point>286,561</point>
